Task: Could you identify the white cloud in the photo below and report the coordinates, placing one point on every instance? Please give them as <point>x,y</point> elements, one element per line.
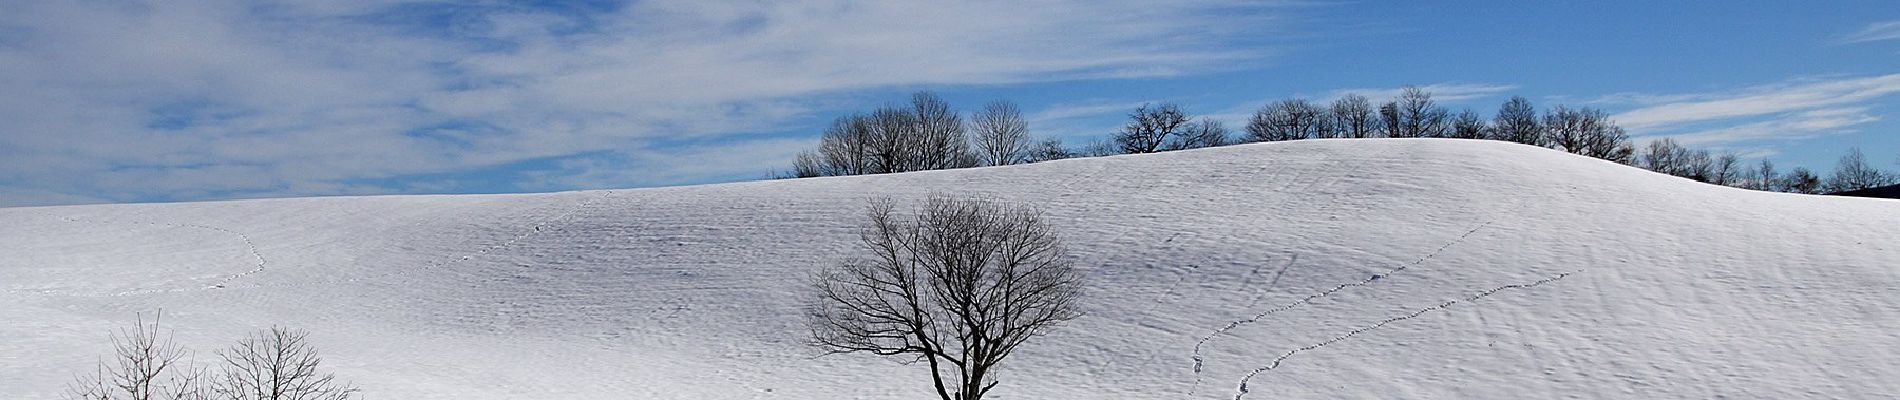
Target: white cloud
<point>1760,101</point>
<point>1878,31</point>
<point>178,100</point>
<point>1800,125</point>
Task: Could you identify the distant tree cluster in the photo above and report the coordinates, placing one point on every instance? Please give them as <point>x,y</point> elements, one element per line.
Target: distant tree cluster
<point>1851,173</point>
<point>926,134</point>
<point>276,364</point>
<point>1413,114</point>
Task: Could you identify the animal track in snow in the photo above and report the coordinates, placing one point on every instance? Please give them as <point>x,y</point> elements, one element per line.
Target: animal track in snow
<point>249,246</point>
<point>1242,389</point>
<point>1199,361</point>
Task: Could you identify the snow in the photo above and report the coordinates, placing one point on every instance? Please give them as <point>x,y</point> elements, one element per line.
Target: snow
<point>1385,268</point>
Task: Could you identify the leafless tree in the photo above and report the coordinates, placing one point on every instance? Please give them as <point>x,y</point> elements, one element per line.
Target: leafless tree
<point>1567,128</point>
<point>1610,143</point>
<point>1660,156</point>
<point>1151,127</point>
<point>1352,117</point>
<point>941,142</point>
<point>959,286</point>
<point>805,165</point>
<point>1414,114</point>
<point>1002,136</point>
<point>1763,177</point>
<point>146,365</point>
<point>1517,122</point>
<point>1587,131</point>
<point>892,144</point>
<point>1290,119</point>
<point>277,364</point>
<point>1853,173</point>
<point>846,148</point>
<point>1049,149</point>
<point>1468,125</point>
<point>1726,170</point>
<point>1390,123</point>
<point>1695,164</point>
<point>1801,180</point>
<point>1208,132</point>
<point>923,135</point>
<point>1099,148</point>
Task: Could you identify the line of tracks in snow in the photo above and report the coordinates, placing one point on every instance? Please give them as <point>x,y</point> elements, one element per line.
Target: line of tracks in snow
<point>1199,360</point>
<point>1241,390</point>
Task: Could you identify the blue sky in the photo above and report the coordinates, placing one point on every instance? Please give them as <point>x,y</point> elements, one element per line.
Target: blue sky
<point>120,101</point>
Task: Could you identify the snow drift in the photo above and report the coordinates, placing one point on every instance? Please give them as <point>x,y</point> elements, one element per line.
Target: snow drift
<point>1310,269</point>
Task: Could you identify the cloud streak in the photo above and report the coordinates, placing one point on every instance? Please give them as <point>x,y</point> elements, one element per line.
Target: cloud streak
<point>176,101</point>
<point>1788,111</point>
<point>1761,101</point>
<point>1874,32</point>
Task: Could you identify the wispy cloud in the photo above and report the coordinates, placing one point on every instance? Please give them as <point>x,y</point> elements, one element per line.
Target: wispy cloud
<point>1795,110</point>
<point>1764,100</point>
<point>183,100</point>
<point>1878,31</point>
<point>1800,125</point>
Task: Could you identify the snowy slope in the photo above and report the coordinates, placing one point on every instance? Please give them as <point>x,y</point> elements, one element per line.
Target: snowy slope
<point>1449,269</point>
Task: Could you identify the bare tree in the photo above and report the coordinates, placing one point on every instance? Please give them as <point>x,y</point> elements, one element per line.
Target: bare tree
<point>1049,149</point>
<point>1002,136</point>
<point>1567,128</point>
<point>940,138</point>
<point>1390,123</point>
<point>1416,115</point>
<point>1205,133</point>
<point>1695,164</point>
<point>1853,173</point>
<point>1587,131</point>
<point>1517,122</point>
<point>806,165</point>
<point>1290,119</point>
<point>1610,142</point>
<point>146,365</point>
<point>277,364</point>
<point>1099,148</point>
<point>1726,170</point>
<point>1352,117</point>
<point>1660,156</point>
<point>893,147</point>
<point>1151,127</point>
<point>1764,178</point>
<point>959,286</point>
<point>1468,125</point>
<point>1801,180</point>
<point>924,135</point>
<point>846,148</point>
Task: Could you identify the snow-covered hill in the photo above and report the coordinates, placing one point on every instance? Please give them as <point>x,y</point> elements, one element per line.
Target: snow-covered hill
<point>1312,269</point>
